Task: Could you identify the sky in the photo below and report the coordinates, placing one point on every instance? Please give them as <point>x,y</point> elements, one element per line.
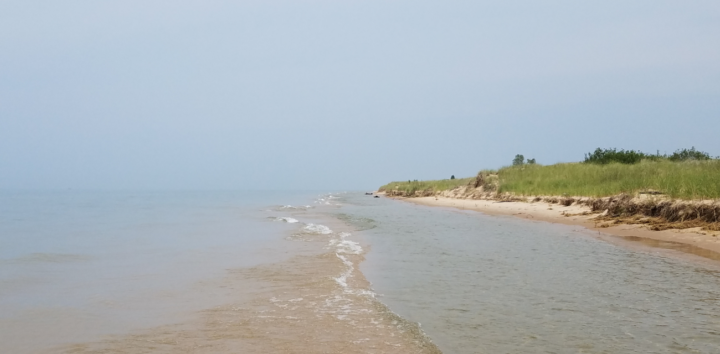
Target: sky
<point>343,95</point>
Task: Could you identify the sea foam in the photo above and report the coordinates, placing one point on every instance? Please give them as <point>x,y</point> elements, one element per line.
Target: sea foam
<point>316,229</point>
<point>287,219</point>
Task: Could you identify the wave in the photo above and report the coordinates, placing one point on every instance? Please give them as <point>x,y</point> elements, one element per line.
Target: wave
<point>291,207</point>
<point>345,246</point>
<point>285,219</point>
<point>316,229</point>
<point>327,200</point>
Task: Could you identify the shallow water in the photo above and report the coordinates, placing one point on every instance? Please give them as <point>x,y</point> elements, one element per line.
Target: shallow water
<point>488,284</point>
<point>187,273</point>
<point>246,272</point>
<point>78,265</point>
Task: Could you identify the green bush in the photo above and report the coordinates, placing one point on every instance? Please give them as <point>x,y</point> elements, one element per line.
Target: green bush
<point>605,156</point>
<point>689,154</point>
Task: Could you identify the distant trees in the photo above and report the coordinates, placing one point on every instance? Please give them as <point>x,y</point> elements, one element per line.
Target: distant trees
<point>452,177</point>
<point>519,160</point>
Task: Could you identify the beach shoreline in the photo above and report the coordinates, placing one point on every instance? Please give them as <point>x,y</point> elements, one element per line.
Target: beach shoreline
<point>694,241</point>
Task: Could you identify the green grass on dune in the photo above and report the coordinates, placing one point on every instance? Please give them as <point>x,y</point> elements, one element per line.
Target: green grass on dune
<point>683,180</point>
<point>410,187</point>
<point>680,180</point>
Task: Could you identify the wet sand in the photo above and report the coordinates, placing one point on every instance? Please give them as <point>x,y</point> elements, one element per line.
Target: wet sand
<point>694,241</point>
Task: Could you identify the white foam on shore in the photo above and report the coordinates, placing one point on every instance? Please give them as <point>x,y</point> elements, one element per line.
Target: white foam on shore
<point>342,279</point>
<point>342,303</point>
<point>287,219</point>
<point>290,207</point>
<point>349,247</point>
<point>345,247</point>
<point>316,229</point>
<point>326,200</point>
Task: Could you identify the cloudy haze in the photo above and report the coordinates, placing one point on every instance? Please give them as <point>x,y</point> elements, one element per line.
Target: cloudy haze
<point>343,94</point>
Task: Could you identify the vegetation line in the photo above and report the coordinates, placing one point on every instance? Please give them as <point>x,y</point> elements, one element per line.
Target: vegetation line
<point>680,180</point>
<point>687,174</point>
<point>676,191</point>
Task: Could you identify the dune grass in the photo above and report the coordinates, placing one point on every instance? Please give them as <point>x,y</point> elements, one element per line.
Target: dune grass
<point>409,187</point>
<point>682,180</point>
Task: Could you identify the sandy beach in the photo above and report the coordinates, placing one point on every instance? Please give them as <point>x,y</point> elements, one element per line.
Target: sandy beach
<point>694,241</point>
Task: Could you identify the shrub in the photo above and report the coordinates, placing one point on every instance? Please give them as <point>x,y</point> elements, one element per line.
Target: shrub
<point>689,154</point>
<point>605,156</point>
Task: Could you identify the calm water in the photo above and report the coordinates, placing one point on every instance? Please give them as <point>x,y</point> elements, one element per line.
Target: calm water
<point>78,265</point>
<point>482,284</point>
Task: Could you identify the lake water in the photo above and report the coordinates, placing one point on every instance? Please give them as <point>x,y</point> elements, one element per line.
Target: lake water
<point>263,272</point>
<point>488,284</point>
<point>77,265</point>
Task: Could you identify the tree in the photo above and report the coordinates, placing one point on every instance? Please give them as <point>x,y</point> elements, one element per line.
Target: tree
<point>452,177</point>
<point>530,161</point>
<point>519,160</point>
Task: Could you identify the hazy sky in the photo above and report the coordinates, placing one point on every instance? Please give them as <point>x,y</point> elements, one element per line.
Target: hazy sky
<point>343,94</point>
